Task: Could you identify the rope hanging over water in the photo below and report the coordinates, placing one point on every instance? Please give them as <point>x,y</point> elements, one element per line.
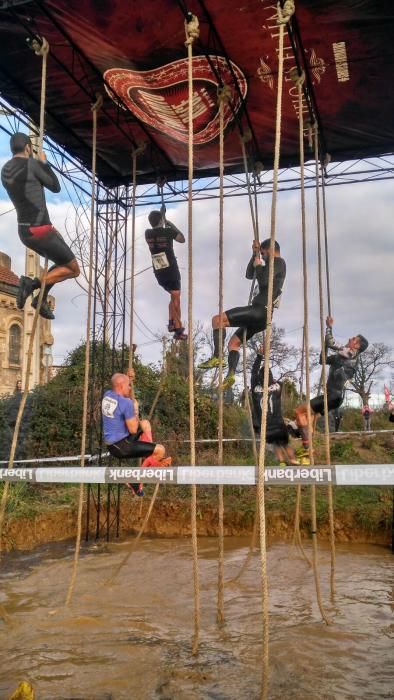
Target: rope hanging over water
<point>284,15</point>
<point>299,80</point>
<point>224,96</point>
<point>95,109</point>
<point>40,49</point>
<point>157,486</point>
<point>324,364</point>
<point>192,33</point>
<point>315,564</point>
<point>256,237</point>
<point>135,153</point>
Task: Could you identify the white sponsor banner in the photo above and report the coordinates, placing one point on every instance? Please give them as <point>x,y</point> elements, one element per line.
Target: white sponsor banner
<point>70,475</point>
<point>216,475</point>
<point>290,475</point>
<point>17,474</point>
<point>146,474</point>
<point>364,474</point>
<point>342,475</point>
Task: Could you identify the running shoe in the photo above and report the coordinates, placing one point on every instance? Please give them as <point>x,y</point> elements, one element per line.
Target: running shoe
<point>212,363</point>
<point>228,381</point>
<point>303,456</point>
<point>171,327</point>
<point>180,334</point>
<point>45,310</point>
<point>25,289</point>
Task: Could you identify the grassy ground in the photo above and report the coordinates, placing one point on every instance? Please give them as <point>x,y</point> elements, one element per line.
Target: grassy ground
<point>28,500</point>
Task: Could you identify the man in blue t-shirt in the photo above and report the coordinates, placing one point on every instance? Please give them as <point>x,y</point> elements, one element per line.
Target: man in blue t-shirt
<point>124,433</point>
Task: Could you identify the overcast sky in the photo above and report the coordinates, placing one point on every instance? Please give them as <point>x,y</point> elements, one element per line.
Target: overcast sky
<point>361,249</point>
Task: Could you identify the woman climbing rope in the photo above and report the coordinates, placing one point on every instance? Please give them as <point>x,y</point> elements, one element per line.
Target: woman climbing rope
<point>160,239</point>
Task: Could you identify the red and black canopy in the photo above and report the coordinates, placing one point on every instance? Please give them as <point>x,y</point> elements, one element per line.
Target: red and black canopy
<point>133,52</point>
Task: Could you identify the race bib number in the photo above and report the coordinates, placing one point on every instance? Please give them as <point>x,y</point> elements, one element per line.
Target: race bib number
<point>160,261</point>
<point>109,406</point>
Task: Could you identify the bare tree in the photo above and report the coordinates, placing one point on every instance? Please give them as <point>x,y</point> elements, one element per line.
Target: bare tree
<point>371,365</point>
<point>285,359</point>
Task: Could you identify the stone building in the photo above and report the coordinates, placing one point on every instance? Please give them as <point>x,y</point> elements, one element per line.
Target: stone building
<point>15,327</point>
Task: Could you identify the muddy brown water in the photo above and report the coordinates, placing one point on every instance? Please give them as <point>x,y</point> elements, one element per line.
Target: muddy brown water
<point>132,640</point>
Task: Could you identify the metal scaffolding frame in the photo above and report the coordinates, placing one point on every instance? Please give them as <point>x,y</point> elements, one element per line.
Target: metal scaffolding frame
<point>111,299</point>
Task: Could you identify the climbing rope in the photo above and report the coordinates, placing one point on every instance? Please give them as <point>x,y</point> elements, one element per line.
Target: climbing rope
<point>299,80</point>
<point>255,225</point>
<point>324,365</point>
<point>297,541</point>
<point>41,48</point>
<point>135,153</point>
<point>22,404</point>
<point>284,16</point>
<point>157,486</point>
<point>95,108</point>
<point>245,137</point>
<point>326,256</point>
<point>224,96</point>
<point>253,540</point>
<point>192,33</point>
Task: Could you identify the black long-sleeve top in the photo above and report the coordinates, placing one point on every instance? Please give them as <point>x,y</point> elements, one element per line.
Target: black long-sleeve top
<point>24,180</point>
<point>262,274</point>
<point>342,365</point>
<point>274,413</point>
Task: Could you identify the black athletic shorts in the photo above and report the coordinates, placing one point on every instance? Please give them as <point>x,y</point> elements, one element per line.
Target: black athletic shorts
<point>251,318</point>
<point>131,447</point>
<point>317,404</point>
<point>169,279</point>
<point>47,242</point>
<point>391,417</point>
<point>278,434</point>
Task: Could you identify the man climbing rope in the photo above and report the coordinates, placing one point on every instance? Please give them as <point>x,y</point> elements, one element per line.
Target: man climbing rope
<point>24,179</point>
<point>251,318</point>
<point>276,432</point>
<point>342,369</point>
<point>124,433</point>
<point>160,239</point>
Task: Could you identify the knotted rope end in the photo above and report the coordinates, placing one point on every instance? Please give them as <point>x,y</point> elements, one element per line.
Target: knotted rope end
<point>192,29</point>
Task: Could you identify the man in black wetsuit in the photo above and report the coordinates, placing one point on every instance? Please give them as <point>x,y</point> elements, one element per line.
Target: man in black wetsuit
<point>253,318</point>
<point>160,239</point>
<point>342,368</point>
<point>24,179</point>
<point>277,433</point>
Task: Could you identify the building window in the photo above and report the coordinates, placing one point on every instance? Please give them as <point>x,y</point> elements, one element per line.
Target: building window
<point>14,355</point>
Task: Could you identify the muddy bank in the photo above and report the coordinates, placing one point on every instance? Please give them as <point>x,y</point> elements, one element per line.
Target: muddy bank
<point>172,519</point>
